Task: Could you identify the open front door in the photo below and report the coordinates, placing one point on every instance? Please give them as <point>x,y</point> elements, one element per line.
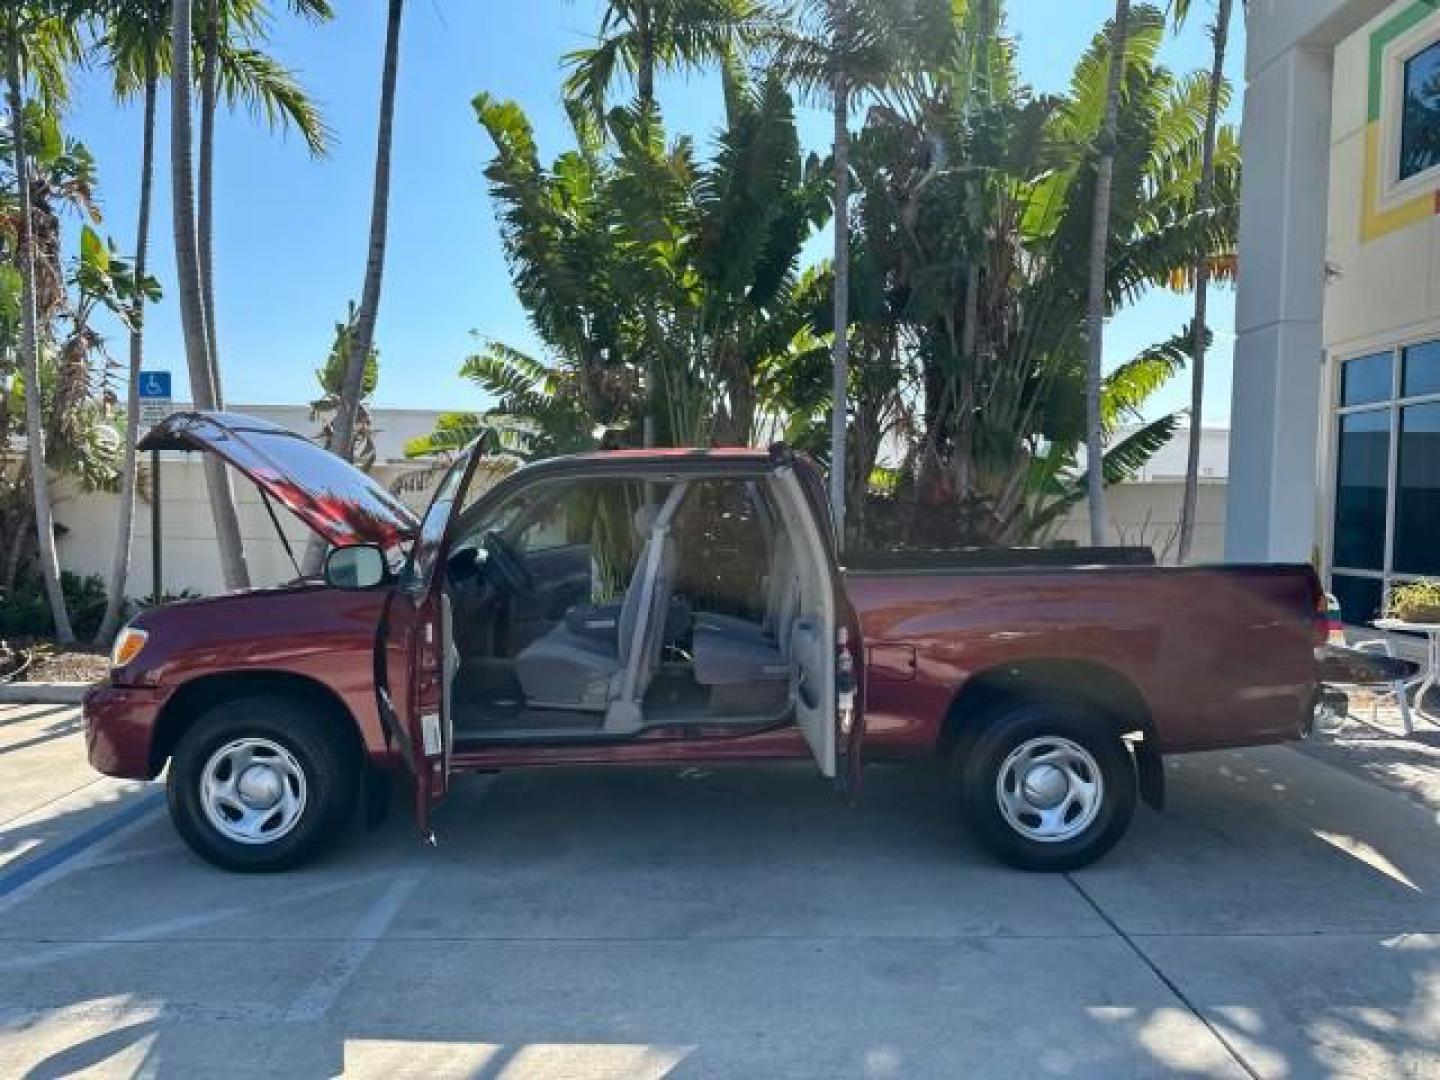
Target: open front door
<point>416,658</point>
<point>825,642</point>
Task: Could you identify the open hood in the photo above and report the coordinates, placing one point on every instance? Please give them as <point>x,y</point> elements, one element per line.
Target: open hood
<point>334,498</point>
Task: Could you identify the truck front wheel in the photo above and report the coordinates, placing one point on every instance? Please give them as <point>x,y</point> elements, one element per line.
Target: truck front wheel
<point>1045,786</point>
<point>260,783</point>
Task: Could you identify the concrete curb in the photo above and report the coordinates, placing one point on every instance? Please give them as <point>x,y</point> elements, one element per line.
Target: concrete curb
<point>43,693</point>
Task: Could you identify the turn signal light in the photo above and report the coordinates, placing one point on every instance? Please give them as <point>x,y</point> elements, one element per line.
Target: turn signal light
<point>127,646</point>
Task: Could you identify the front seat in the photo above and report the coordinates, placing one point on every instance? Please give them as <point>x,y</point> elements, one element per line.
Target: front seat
<point>566,669</point>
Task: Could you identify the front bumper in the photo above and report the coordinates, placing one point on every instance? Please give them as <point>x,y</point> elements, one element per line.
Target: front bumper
<point>120,723</point>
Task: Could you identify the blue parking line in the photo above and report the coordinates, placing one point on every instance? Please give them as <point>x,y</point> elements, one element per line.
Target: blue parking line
<point>49,860</point>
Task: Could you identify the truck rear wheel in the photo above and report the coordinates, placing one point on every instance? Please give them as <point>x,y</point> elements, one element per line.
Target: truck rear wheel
<point>1045,786</point>
<point>260,783</point>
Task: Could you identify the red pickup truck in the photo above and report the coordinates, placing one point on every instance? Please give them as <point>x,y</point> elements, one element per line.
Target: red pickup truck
<point>674,606</point>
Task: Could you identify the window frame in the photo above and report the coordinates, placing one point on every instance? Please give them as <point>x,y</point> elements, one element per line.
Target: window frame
<point>1394,406</point>
<point>1396,190</point>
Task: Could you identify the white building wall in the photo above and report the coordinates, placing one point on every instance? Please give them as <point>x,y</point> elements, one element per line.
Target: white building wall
<point>1385,289</point>
<point>1148,515</point>
<point>1275,468</point>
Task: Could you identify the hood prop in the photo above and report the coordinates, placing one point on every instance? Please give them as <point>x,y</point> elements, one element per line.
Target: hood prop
<point>280,529</point>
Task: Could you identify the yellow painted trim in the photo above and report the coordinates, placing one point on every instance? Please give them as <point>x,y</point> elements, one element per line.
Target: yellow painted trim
<point>1375,223</point>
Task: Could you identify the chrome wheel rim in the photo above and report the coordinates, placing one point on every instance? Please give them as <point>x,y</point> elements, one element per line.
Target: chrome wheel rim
<point>253,791</point>
<point>1050,789</point>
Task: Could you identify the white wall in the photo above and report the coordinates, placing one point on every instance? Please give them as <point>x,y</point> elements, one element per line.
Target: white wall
<point>1275,474</point>
<point>1148,515</point>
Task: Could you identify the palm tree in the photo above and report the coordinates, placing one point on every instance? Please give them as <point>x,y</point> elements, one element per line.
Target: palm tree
<point>840,360</point>
<point>1099,258</point>
<point>1220,37</point>
<point>842,50</point>
<point>643,37</point>
<point>362,339</point>
<point>42,31</point>
<point>203,386</point>
<point>232,70</point>
<point>135,40</point>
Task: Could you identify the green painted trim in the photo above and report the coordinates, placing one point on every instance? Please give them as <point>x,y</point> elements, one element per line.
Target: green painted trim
<point>1383,36</point>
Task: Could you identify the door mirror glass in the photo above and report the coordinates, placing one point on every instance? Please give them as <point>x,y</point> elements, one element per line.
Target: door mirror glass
<point>360,566</point>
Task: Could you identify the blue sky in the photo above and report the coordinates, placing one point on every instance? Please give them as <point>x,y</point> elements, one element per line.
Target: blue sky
<point>291,231</point>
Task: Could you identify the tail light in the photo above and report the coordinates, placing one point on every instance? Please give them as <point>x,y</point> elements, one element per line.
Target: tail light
<point>1329,621</point>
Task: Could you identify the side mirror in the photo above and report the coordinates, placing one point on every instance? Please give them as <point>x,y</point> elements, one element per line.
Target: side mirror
<point>356,567</point>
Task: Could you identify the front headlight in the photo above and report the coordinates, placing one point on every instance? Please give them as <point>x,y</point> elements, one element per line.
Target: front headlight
<point>127,646</point>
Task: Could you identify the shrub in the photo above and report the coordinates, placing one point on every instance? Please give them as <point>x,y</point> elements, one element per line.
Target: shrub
<point>24,611</point>
<point>1417,602</point>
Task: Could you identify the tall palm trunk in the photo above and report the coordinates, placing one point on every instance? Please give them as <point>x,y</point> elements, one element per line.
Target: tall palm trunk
<point>205,196</point>
<point>125,531</point>
<point>192,308</point>
<point>1221,36</point>
<point>840,348</point>
<point>30,357</point>
<point>1099,258</point>
<point>342,430</point>
<point>645,76</point>
<point>645,91</point>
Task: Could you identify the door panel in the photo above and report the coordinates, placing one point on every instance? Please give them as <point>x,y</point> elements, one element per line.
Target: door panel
<point>825,646</point>
<point>814,695</point>
<point>416,656</point>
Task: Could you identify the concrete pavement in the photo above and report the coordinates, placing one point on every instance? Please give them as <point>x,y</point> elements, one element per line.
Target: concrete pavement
<point>1281,919</point>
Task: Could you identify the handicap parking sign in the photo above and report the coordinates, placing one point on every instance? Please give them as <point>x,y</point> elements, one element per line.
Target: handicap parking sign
<point>155,400</point>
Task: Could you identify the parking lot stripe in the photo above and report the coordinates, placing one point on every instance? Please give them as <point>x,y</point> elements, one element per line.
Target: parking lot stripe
<point>317,998</point>
<point>159,931</point>
<point>48,862</point>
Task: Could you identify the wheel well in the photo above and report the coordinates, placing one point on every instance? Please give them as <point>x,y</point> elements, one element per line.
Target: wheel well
<point>197,695</point>
<point>1110,695</point>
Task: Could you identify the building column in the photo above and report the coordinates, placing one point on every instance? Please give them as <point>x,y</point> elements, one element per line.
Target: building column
<point>1276,411</point>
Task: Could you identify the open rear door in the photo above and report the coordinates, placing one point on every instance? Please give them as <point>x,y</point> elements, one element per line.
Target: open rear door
<point>825,641</point>
<point>416,658</point>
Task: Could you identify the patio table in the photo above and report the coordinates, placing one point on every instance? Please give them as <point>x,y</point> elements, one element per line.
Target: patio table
<point>1430,674</point>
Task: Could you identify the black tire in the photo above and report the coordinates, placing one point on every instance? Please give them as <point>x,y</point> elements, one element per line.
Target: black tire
<point>316,744</point>
<point>980,757</point>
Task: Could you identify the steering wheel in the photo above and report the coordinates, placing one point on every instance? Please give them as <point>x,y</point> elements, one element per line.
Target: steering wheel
<point>505,568</point>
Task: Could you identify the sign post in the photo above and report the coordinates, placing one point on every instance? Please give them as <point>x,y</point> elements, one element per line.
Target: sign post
<point>155,405</point>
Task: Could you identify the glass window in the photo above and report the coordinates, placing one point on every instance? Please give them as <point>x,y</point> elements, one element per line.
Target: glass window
<point>1422,370</point>
<point>432,529</point>
<point>1360,490</point>
<point>595,521</point>
<point>1417,499</point>
<point>598,513</point>
<point>1420,121</point>
<point>724,535</point>
<point>1360,598</point>
<point>1366,380</point>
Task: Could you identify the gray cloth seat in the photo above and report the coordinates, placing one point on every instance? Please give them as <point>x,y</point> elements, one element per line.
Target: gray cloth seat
<point>728,650</point>
<point>563,667</point>
<point>566,668</point>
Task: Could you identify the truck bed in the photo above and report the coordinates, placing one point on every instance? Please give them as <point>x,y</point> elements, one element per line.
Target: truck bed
<point>1215,656</point>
